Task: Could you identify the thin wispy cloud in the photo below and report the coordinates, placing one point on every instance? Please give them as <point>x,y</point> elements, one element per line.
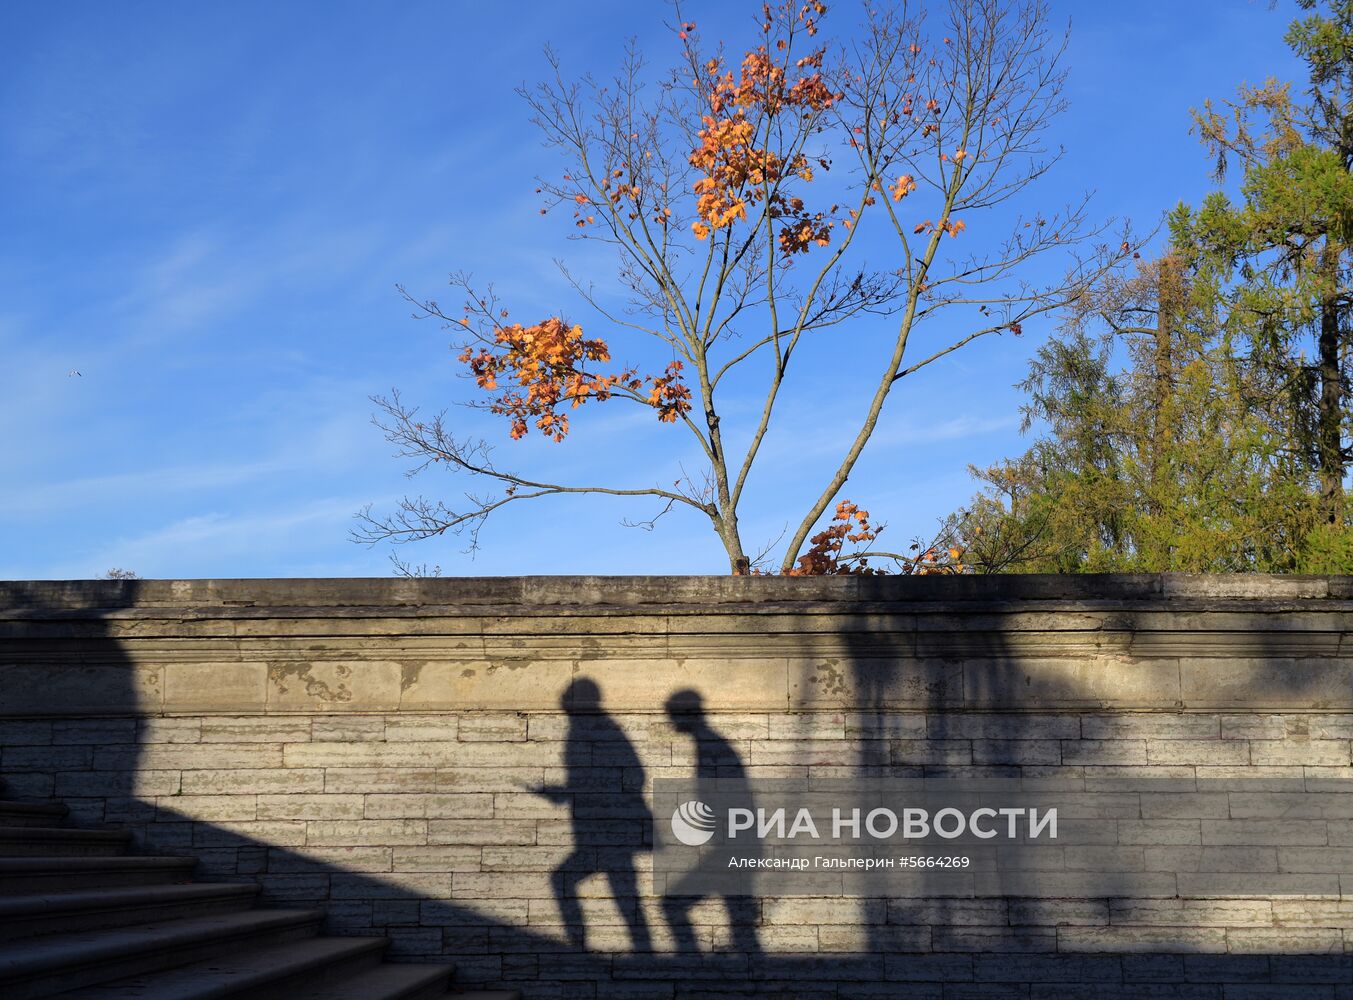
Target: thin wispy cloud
<point>195,546</point>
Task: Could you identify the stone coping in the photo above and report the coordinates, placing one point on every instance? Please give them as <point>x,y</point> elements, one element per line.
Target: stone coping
<point>26,598</point>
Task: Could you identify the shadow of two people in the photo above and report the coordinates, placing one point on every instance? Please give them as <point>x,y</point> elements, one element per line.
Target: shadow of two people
<point>612,822</point>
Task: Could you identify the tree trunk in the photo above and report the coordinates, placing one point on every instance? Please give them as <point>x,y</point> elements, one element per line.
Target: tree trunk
<point>1169,308</point>
<point>1331,411</point>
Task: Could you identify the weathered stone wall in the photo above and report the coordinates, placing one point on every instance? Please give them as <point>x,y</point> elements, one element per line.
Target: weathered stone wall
<point>375,745</point>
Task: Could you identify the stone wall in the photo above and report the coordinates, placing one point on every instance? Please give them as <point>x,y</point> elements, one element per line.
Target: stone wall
<point>377,746</point>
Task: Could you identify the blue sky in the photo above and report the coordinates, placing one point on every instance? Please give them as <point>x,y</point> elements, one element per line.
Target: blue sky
<point>204,209</point>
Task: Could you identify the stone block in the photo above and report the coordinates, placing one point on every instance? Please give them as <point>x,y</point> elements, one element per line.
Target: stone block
<point>100,732</point>
<point>1072,683</point>
<point>264,781</point>
<point>298,805</point>
<point>1142,939</point>
<point>480,831</point>
<point>223,688</point>
<point>1191,912</point>
<point>47,758</point>
<point>1260,832</point>
<point>1150,726</point>
<point>1316,753</point>
<point>1104,752</point>
<point>836,683</point>
<point>368,685</point>
<point>498,727</point>
<point>366,832</point>
<point>1158,832</point>
<point>1285,940</point>
<point>191,757</point>
<point>1254,726</point>
<point>435,859</point>
<point>248,833</point>
<point>1035,752</point>
<point>254,729</point>
<point>379,779</point>
<point>331,859</point>
<point>1186,805</point>
<point>1212,859</point>
<point>25,732</point>
<point>368,755</point>
<point>1202,753</point>
<point>169,730</point>
<point>350,729</point>
<point>404,726</point>
<point>479,685</point>
<point>726,683</point>
<point>391,885</point>
<point>813,726</point>
<point>210,808</point>
<point>998,726</point>
<point>1267,684</point>
<point>74,784</point>
<point>95,686</point>
<point>1251,778</point>
<point>437,805</point>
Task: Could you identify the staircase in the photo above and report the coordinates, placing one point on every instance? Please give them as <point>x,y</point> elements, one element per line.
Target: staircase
<point>80,918</point>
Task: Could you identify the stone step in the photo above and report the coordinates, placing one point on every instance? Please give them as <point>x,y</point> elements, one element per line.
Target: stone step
<point>387,982</point>
<point>43,966</point>
<point>266,972</point>
<point>40,841</point>
<point>49,874</point>
<point>31,813</point>
<point>35,914</point>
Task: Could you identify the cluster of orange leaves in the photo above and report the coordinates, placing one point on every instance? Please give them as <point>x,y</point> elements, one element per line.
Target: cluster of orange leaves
<point>952,228</point>
<point>850,524</point>
<point>738,171</point>
<point>545,365</point>
<point>823,558</point>
<point>630,191</point>
<point>933,562</point>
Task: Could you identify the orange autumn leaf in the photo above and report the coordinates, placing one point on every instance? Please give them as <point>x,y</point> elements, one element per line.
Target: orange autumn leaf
<point>905,185</point>
<point>738,172</point>
<point>548,365</point>
<point>825,554</point>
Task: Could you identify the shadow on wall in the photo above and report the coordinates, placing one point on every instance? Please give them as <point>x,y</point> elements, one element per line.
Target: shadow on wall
<point>605,840</point>
<point>902,704</point>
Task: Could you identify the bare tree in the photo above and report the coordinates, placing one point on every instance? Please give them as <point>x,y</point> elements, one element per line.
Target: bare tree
<point>733,196</point>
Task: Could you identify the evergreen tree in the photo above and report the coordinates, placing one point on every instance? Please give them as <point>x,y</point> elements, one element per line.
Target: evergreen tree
<point>1164,452</point>
<point>1287,240</point>
<point>1198,412</point>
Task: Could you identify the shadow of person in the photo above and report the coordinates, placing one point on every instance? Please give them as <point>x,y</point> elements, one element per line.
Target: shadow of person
<point>720,777</point>
<point>595,847</point>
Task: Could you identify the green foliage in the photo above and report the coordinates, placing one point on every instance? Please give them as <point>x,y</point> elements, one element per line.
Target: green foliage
<point>1328,548</point>
<point>1165,451</point>
<point>1198,412</point>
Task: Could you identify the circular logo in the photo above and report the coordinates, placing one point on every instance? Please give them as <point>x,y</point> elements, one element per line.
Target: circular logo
<point>693,823</point>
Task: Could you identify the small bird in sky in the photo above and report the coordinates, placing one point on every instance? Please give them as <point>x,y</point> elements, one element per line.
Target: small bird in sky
<point>73,373</point>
